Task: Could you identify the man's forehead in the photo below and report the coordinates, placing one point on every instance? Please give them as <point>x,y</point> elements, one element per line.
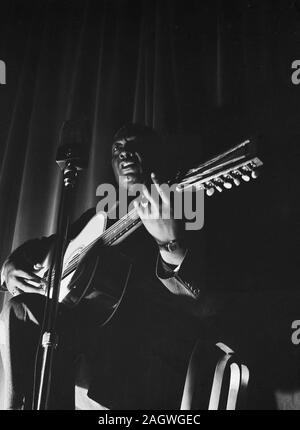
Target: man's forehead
<point>125,139</point>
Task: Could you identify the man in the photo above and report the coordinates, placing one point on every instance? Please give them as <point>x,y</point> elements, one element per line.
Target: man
<point>138,360</point>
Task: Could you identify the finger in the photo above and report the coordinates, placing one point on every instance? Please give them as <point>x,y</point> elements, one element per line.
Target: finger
<point>144,202</point>
<point>149,197</point>
<point>139,209</point>
<point>29,288</point>
<point>18,286</point>
<point>145,212</point>
<point>31,284</point>
<point>153,208</point>
<point>29,276</point>
<point>159,189</point>
<point>28,279</point>
<point>34,283</point>
<point>18,282</point>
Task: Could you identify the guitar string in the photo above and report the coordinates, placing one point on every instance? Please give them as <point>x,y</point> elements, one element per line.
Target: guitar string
<point>114,231</point>
<point>110,232</point>
<point>196,175</point>
<point>107,236</point>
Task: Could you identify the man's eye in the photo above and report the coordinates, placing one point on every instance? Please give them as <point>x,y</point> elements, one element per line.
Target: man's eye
<point>117,148</point>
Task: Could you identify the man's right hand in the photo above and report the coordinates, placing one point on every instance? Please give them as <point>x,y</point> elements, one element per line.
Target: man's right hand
<point>20,281</point>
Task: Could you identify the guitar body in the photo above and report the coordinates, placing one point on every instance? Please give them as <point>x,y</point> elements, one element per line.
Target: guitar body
<point>74,285</point>
<point>94,278</point>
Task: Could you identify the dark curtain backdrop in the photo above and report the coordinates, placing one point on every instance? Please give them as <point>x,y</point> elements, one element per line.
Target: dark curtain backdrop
<point>206,74</point>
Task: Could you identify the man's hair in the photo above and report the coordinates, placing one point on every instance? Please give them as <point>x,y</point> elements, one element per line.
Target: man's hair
<point>140,131</point>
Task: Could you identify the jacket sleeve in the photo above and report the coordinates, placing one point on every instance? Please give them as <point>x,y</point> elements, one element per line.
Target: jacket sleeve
<point>188,279</point>
<point>27,255</point>
<point>35,250</point>
<point>191,284</point>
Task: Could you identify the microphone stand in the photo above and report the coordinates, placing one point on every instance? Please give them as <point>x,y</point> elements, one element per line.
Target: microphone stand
<point>70,162</point>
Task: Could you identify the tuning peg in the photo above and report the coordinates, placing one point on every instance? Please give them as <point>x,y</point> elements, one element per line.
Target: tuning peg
<point>209,189</point>
<point>221,183</point>
<point>226,183</point>
<point>244,175</point>
<point>235,180</point>
<point>216,183</point>
<point>252,168</point>
<point>246,178</point>
<point>252,165</point>
<point>255,174</point>
<point>236,174</point>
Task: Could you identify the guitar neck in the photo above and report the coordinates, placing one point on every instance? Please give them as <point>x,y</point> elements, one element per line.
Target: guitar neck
<point>125,225</point>
<point>119,230</point>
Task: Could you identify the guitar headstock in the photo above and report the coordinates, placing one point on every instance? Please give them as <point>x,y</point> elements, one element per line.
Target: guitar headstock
<point>223,171</point>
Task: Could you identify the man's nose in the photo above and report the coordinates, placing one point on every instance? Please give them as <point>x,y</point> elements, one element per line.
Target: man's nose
<point>125,154</point>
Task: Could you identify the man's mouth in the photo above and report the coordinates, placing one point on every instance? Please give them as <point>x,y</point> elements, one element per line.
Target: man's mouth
<point>127,166</point>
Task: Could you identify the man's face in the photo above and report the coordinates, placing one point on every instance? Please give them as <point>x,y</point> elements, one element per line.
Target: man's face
<point>127,162</point>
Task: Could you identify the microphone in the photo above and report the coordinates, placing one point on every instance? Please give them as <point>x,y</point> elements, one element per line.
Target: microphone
<point>73,143</point>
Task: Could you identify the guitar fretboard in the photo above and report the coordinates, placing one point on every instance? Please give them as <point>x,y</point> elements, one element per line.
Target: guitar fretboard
<point>108,238</point>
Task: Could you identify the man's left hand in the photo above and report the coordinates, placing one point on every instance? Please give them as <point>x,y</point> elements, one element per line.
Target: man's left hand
<point>157,214</point>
